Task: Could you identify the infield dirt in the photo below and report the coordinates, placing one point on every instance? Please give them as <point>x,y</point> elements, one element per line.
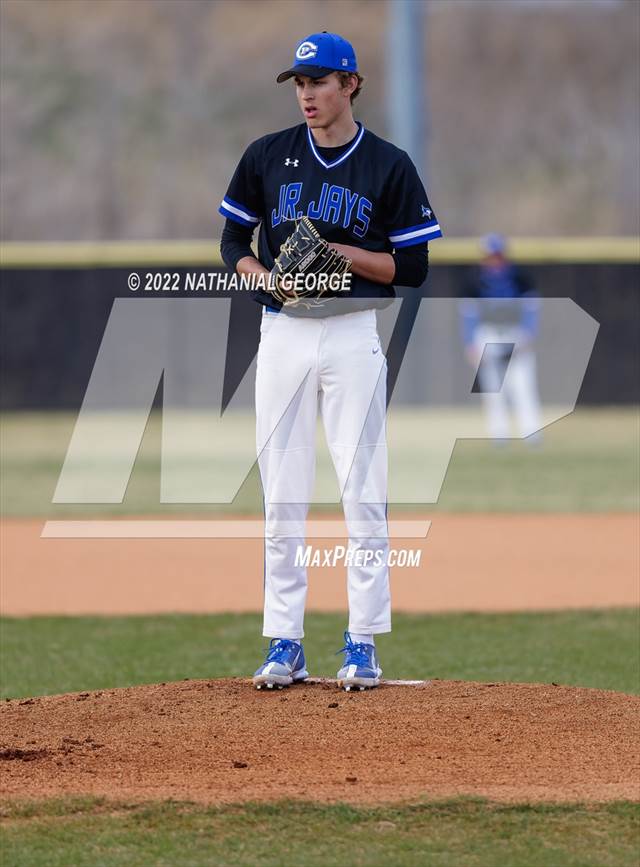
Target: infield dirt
<point>223,741</point>
<point>469,562</point>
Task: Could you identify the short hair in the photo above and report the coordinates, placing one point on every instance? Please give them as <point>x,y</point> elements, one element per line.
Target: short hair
<point>344,78</point>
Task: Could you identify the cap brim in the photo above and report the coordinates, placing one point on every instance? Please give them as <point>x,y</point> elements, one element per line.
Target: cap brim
<point>305,69</point>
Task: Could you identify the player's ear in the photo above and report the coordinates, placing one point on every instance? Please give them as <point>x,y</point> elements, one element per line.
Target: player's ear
<point>348,82</point>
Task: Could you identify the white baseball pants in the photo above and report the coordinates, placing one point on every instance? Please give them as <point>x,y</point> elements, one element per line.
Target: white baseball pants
<point>336,365</point>
<point>517,387</point>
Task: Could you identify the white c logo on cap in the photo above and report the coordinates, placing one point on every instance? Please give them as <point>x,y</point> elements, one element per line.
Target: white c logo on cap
<point>306,50</point>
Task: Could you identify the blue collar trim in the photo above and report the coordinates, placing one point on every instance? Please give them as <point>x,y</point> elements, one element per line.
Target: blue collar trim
<point>343,156</point>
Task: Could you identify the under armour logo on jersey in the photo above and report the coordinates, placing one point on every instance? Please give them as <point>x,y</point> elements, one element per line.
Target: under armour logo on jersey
<point>426,212</point>
<point>293,163</point>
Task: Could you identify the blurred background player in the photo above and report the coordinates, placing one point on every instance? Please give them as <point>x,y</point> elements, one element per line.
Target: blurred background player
<point>499,320</point>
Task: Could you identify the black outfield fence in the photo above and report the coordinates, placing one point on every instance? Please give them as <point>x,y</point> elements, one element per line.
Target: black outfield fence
<point>55,303</point>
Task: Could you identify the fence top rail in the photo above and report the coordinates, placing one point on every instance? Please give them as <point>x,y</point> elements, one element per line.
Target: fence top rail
<point>198,253</point>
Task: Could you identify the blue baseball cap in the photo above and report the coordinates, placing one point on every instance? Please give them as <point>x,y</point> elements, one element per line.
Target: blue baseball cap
<point>320,54</point>
<point>494,244</point>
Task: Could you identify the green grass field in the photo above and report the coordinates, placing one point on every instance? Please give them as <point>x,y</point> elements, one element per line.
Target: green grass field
<point>46,655</point>
<point>473,833</point>
<point>588,461</point>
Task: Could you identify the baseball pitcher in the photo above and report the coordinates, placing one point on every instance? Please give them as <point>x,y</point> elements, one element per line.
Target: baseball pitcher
<point>342,214</point>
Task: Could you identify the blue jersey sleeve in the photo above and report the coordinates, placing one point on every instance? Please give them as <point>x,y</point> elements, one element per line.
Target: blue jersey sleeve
<point>410,218</point>
<point>243,202</point>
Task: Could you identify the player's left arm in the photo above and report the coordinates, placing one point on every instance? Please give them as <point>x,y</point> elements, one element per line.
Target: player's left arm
<point>378,267</point>
<point>410,223</point>
<point>410,265</point>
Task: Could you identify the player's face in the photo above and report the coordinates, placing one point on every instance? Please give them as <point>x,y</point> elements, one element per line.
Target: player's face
<point>322,100</point>
<point>494,261</point>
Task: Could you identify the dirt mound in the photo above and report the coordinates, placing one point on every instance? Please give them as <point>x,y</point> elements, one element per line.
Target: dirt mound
<point>221,740</point>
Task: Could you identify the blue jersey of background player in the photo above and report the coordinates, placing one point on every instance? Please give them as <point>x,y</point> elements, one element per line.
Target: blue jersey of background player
<point>363,194</point>
<point>508,296</point>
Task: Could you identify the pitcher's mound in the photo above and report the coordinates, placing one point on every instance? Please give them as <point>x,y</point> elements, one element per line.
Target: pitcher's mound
<point>223,740</point>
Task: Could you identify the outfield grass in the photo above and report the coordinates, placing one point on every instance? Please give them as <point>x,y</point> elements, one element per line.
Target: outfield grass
<point>467,832</point>
<point>47,655</point>
<point>588,461</point>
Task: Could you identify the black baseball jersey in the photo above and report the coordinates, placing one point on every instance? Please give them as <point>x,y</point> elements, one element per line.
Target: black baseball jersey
<point>366,194</point>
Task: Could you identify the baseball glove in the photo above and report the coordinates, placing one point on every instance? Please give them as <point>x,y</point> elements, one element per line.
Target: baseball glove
<point>305,263</point>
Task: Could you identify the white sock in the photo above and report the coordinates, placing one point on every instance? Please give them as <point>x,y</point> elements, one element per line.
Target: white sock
<point>361,638</point>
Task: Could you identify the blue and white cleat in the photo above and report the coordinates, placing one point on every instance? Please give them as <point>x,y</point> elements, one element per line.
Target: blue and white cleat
<point>283,666</point>
<point>360,669</point>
